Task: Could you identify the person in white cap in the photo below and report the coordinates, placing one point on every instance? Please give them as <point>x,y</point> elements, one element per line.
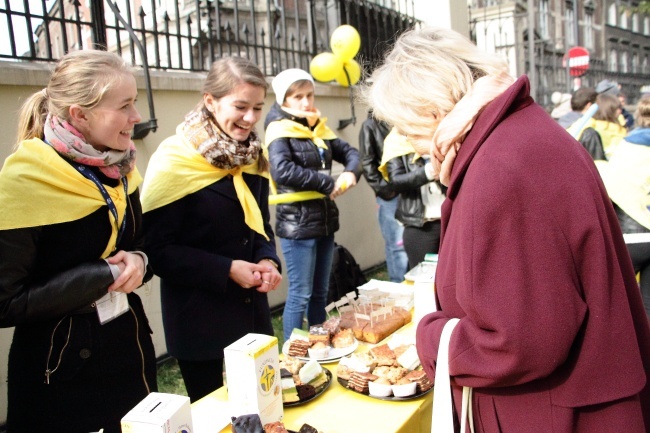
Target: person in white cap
<point>301,149</point>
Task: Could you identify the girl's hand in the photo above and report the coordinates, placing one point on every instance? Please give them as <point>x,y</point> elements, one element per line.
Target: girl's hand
<point>345,181</point>
<point>270,279</point>
<point>248,275</point>
<point>131,271</point>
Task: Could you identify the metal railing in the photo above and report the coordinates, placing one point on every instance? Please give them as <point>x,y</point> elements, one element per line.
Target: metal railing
<point>189,34</point>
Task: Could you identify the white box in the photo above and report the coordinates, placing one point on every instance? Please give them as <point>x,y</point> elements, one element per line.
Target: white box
<point>253,377</point>
<point>159,413</point>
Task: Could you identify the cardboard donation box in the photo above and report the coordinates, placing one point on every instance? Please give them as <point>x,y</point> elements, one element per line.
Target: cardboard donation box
<point>159,413</point>
<point>253,377</point>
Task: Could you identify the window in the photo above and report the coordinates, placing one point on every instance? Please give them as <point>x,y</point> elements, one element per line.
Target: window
<point>644,66</point>
<point>623,20</point>
<point>611,15</point>
<point>646,26</point>
<point>635,23</point>
<point>588,28</point>
<point>613,61</point>
<point>570,26</point>
<point>543,19</point>
<point>623,65</point>
<point>635,63</point>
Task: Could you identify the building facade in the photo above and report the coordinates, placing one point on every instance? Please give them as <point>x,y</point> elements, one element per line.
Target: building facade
<point>614,32</point>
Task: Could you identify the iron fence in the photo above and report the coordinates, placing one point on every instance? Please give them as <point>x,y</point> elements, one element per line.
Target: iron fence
<point>190,34</point>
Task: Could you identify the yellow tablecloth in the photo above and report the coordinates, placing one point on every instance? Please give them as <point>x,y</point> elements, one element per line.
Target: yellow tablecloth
<point>339,410</point>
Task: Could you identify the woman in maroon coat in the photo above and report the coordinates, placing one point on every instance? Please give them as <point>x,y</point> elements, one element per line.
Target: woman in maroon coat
<point>552,335</point>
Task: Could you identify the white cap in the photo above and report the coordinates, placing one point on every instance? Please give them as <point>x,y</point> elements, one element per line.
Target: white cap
<point>285,79</point>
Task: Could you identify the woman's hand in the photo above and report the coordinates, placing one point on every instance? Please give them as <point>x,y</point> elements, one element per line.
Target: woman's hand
<point>131,271</point>
<point>345,181</point>
<point>270,279</point>
<point>248,275</point>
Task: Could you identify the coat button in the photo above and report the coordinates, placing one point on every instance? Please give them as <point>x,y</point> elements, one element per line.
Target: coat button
<point>247,300</point>
<point>244,241</point>
<point>84,353</point>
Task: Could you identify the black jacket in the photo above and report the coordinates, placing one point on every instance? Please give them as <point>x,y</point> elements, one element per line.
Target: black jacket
<point>590,139</point>
<point>50,277</point>
<point>191,244</point>
<point>406,177</point>
<point>298,165</point>
<point>371,146</point>
<point>49,271</point>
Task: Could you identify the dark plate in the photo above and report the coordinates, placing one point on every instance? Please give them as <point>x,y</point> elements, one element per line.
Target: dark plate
<point>344,383</point>
<point>322,390</point>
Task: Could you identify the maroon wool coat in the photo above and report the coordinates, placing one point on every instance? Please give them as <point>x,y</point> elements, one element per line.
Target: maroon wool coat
<point>552,336</point>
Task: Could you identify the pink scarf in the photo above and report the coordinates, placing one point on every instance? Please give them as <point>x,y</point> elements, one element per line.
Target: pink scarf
<point>71,144</point>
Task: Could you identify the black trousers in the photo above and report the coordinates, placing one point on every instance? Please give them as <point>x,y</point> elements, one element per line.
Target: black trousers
<point>419,241</point>
<point>201,377</point>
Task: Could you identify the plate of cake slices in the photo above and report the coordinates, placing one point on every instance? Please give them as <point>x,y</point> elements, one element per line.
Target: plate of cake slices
<point>323,343</point>
<point>385,373</point>
<point>302,381</point>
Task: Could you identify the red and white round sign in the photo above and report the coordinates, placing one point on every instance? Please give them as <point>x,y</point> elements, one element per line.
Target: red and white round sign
<point>578,61</point>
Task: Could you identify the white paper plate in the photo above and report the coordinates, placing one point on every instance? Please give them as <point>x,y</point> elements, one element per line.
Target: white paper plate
<point>336,353</point>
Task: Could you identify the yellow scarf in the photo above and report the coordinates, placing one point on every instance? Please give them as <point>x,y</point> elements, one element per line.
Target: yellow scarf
<point>290,129</point>
<point>395,145</point>
<point>38,187</point>
<point>177,169</point>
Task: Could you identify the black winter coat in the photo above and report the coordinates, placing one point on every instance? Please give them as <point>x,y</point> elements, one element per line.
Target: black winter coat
<point>371,147</point>
<point>191,244</point>
<point>298,165</point>
<point>406,177</point>
<point>50,277</point>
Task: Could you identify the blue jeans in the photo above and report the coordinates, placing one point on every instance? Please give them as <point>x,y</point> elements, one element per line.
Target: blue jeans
<point>391,230</point>
<point>308,263</point>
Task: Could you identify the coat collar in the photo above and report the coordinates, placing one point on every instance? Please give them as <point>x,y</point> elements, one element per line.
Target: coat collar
<point>516,97</point>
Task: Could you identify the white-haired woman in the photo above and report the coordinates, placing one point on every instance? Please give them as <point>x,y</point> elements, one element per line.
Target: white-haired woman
<point>552,333</point>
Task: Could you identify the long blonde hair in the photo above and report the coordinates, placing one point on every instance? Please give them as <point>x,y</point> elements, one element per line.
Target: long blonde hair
<point>81,78</point>
<point>427,72</point>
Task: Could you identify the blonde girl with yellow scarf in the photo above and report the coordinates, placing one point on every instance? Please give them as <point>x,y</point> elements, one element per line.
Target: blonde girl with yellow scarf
<point>71,253</point>
<point>207,230</point>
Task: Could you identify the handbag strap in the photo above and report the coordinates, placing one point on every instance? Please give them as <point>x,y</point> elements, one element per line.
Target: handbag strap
<point>442,414</point>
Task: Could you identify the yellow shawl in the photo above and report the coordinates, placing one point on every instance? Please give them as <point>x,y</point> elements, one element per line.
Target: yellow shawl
<point>290,129</point>
<point>38,187</point>
<point>177,169</point>
<point>395,145</point>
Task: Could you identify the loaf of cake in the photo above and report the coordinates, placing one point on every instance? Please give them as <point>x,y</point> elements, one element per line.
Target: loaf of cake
<point>381,327</point>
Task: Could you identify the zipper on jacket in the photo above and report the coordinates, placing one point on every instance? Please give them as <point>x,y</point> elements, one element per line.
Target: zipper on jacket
<point>137,340</point>
<point>49,372</point>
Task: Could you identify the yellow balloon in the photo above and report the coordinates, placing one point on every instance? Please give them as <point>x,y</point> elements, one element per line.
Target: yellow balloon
<point>345,42</point>
<point>354,72</point>
<point>325,67</point>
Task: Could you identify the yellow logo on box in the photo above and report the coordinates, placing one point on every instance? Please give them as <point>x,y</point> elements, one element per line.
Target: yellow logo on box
<point>267,378</point>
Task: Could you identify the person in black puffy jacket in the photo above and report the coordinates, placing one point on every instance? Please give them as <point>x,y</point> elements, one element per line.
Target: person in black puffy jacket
<point>301,148</point>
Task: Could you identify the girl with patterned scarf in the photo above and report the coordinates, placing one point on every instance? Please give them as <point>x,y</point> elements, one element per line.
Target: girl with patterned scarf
<point>207,230</point>
<point>538,307</point>
<point>70,253</point>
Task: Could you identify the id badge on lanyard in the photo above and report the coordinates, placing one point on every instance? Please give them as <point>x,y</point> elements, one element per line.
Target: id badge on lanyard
<point>113,304</point>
